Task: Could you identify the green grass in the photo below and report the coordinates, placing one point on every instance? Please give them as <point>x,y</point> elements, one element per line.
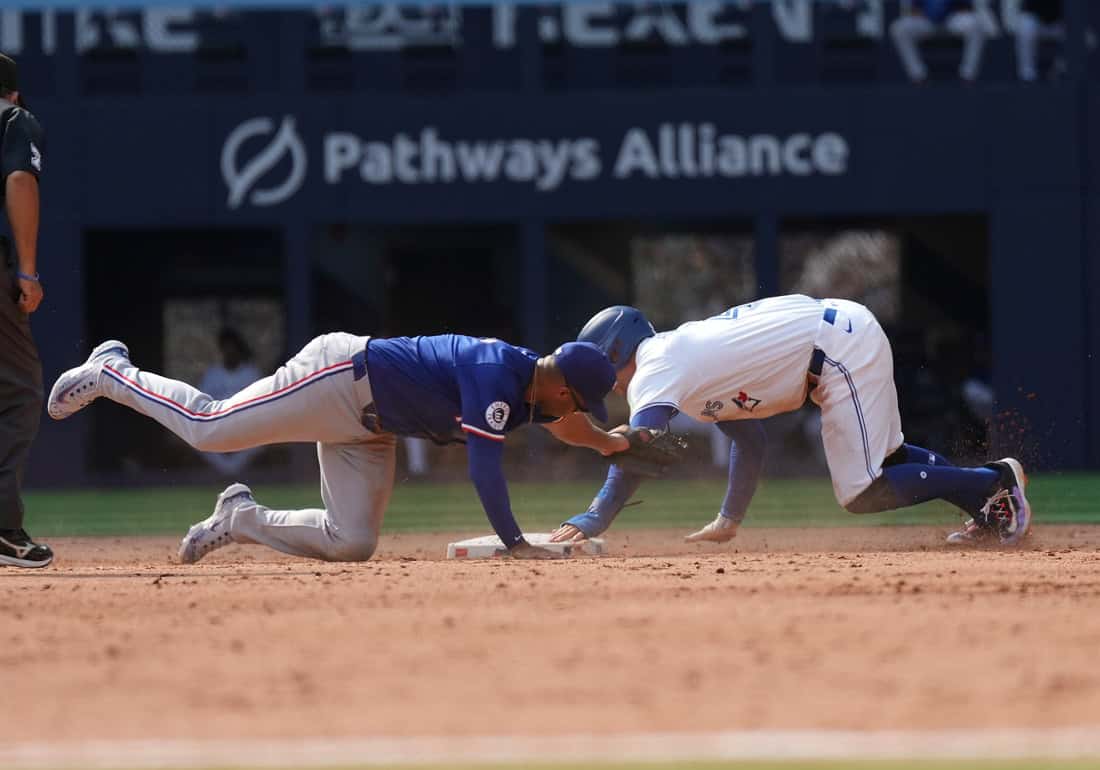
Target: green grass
<point>424,507</point>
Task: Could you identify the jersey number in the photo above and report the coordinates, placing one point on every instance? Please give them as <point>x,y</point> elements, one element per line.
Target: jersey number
<point>733,312</point>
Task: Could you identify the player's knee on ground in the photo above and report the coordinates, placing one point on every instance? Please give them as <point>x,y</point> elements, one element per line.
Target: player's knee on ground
<point>352,548</point>
<point>878,496</point>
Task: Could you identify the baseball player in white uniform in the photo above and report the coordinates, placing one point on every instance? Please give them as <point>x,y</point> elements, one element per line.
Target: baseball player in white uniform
<point>765,358</point>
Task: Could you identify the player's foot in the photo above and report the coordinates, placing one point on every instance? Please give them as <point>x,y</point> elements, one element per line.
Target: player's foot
<point>721,530</point>
<point>972,533</point>
<point>1007,509</point>
<point>18,550</point>
<point>212,533</point>
<point>78,387</point>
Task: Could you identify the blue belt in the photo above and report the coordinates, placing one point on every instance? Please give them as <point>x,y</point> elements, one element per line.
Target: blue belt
<point>359,363</point>
<point>817,360</point>
<point>369,417</point>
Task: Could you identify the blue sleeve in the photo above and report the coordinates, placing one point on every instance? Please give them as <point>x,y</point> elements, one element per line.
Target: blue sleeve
<point>490,394</point>
<point>620,486</point>
<point>746,463</point>
<point>485,471</point>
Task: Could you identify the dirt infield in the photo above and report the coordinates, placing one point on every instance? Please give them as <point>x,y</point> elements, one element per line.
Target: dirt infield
<point>847,628</point>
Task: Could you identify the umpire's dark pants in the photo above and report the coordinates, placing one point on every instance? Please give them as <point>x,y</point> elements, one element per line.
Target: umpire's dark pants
<point>20,394</point>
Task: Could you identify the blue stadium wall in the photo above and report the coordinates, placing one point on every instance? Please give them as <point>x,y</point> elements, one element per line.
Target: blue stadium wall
<point>279,153</point>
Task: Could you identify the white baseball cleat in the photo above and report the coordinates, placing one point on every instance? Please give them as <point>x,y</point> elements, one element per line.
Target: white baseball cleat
<point>212,533</point>
<point>721,530</point>
<point>78,387</point>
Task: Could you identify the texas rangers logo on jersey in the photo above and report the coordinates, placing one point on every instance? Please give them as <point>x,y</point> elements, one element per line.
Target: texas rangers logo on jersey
<point>496,415</point>
<point>744,401</point>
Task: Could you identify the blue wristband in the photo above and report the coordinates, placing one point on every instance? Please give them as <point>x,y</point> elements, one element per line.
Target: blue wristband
<point>26,277</point>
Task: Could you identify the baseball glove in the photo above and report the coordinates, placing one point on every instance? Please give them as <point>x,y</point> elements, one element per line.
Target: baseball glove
<point>652,451</point>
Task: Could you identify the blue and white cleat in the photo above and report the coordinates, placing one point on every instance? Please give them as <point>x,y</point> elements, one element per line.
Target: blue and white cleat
<point>78,387</point>
<point>212,533</point>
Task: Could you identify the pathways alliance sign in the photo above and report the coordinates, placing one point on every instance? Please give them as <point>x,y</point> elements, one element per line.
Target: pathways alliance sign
<point>264,162</point>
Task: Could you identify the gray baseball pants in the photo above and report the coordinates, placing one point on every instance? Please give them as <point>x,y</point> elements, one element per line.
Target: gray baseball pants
<point>317,396</point>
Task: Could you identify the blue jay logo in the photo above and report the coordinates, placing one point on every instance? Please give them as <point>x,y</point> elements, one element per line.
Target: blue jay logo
<point>745,401</point>
<point>242,181</point>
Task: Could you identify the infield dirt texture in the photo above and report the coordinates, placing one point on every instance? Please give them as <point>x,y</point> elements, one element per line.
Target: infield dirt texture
<point>854,628</point>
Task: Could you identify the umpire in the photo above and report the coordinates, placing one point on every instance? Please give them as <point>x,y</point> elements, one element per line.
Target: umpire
<point>20,369</point>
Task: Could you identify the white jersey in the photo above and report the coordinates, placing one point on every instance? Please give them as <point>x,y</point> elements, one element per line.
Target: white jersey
<point>747,363</point>
<point>754,361</point>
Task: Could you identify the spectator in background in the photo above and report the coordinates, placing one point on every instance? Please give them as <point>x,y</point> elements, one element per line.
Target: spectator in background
<point>923,18</point>
<point>235,372</point>
<point>1037,19</point>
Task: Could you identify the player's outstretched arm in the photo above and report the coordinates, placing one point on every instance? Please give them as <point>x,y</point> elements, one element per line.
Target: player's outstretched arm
<point>612,498</point>
<point>484,456</point>
<point>577,429</point>
<point>617,490</point>
<point>749,442</point>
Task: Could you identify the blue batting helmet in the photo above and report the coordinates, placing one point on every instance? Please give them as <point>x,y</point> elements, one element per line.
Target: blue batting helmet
<point>616,331</point>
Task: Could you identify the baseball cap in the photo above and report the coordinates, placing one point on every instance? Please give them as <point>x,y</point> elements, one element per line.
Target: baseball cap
<point>589,373</point>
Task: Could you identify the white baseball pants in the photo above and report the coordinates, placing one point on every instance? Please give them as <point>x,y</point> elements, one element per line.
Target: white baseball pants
<point>316,396</point>
<point>860,421</point>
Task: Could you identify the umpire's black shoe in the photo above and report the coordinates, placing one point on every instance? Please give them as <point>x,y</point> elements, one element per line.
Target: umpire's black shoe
<point>18,550</point>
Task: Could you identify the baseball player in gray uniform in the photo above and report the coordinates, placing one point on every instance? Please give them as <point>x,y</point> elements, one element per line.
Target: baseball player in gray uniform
<point>353,396</point>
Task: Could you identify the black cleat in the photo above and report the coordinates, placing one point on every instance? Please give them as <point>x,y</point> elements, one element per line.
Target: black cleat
<point>18,550</point>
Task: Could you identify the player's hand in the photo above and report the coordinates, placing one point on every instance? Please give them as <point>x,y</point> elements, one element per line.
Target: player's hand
<point>30,295</point>
<point>721,530</point>
<point>567,533</point>
<point>617,443</point>
<point>525,550</point>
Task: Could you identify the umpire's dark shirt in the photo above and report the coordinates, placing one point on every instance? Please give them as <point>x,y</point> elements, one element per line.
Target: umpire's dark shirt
<point>22,142</point>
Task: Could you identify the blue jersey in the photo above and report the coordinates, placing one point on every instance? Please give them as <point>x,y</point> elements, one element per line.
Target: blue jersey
<point>445,386</point>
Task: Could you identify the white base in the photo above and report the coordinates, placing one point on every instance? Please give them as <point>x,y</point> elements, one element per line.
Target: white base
<point>490,546</point>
